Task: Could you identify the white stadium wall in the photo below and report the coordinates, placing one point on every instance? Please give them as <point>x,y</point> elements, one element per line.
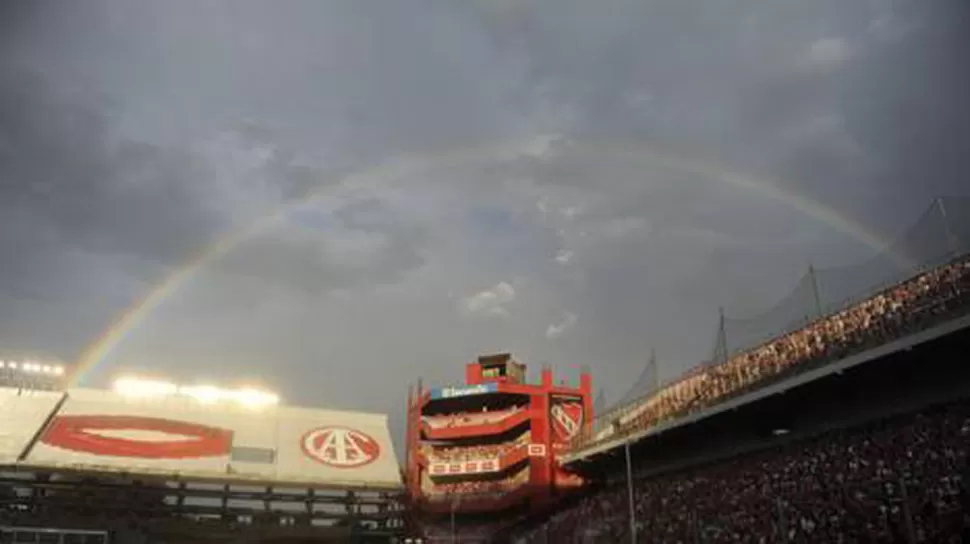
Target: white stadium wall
<point>180,436</point>
<point>22,414</point>
<point>337,446</point>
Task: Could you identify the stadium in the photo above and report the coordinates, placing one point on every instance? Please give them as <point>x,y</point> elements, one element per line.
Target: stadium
<point>151,461</point>
<point>851,425</point>
<point>485,272</point>
<point>491,447</point>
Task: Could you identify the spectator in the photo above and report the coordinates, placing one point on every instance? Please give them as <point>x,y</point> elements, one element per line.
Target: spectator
<point>911,306</point>
<point>891,481</point>
<point>481,487</point>
<point>470,418</point>
<point>474,452</point>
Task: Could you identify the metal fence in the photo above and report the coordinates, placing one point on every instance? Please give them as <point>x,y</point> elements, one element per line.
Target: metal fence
<point>42,535</point>
<point>941,234</point>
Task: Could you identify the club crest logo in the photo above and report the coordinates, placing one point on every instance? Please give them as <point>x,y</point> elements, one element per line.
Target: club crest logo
<point>567,419</point>
<point>340,447</point>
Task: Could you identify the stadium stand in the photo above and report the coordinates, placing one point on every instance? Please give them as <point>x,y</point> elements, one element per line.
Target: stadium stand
<point>850,425</point>
<point>876,483</point>
<point>475,452</point>
<point>927,299</point>
<point>940,234</point>
<point>466,420</point>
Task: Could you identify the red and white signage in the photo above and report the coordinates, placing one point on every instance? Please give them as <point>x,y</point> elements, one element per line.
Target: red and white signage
<point>537,450</point>
<point>567,420</point>
<point>340,447</point>
<point>176,436</point>
<point>136,436</point>
<point>467,467</point>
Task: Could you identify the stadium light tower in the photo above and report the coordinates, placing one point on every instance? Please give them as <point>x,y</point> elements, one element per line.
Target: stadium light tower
<point>31,373</point>
<point>454,506</point>
<point>629,491</point>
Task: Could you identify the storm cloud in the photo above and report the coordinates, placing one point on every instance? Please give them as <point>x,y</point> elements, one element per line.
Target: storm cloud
<point>365,192</point>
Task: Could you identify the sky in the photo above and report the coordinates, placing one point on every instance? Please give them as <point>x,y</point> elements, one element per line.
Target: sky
<point>353,194</point>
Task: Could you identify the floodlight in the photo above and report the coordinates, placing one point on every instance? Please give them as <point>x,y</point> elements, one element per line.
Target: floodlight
<point>255,398</point>
<point>207,394</point>
<point>58,370</point>
<point>47,369</point>
<point>137,387</point>
<point>202,393</point>
<point>12,364</point>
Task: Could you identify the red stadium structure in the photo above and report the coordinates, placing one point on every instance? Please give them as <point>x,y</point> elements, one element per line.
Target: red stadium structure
<point>492,444</point>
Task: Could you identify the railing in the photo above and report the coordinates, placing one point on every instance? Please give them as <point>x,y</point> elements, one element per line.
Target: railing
<point>469,419</point>
<point>54,536</point>
<point>923,301</point>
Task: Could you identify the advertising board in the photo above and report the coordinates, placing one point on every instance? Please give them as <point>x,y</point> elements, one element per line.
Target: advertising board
<point>174,436</point>
<point>463,391</point>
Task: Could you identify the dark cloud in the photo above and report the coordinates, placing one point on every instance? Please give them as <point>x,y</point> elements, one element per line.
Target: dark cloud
<point>338,255</point>
<point>908,101</point>
<point>66,184</point>
<point>133,135</point>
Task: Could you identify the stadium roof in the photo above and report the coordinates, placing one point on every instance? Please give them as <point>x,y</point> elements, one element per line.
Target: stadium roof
<point>92,430</point>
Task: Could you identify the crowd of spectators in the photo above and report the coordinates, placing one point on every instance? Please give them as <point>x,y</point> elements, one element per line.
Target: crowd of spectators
<point>467,533</point>
<point>908,307</point>
<point>897,480</point>
<point>476,452</point>
<point>471,487</point>
<point>466,419</point>
<point>481,487</point>
<point>469,453</point>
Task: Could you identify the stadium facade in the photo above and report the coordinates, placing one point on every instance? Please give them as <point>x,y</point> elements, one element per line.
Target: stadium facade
<point>494,443</point>
<point>190,468</point>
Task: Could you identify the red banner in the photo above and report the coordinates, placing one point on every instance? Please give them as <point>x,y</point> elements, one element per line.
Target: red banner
<point>82,433</point>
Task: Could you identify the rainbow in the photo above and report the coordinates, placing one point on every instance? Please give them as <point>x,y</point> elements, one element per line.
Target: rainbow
<point>98,350</point>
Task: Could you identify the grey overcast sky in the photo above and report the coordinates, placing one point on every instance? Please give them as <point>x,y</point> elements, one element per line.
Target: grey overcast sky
<point>575,181</point>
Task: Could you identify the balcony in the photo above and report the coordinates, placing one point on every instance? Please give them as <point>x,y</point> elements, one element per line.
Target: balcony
<point>475,465</point>
<point>473,425</point>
